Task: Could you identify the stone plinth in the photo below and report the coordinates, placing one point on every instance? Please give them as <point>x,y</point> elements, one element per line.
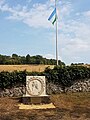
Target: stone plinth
<point>35,100</point>
<point>35,91</point>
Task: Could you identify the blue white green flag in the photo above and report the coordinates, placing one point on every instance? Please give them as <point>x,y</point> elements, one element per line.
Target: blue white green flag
<point>53,17</point>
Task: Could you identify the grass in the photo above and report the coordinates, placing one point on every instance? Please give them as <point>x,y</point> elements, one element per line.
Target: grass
<point>71,106</point>
<point>29,68</point>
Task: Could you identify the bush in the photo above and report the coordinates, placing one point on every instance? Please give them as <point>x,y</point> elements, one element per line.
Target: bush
<point>67,75</point>
<point>64,76</point>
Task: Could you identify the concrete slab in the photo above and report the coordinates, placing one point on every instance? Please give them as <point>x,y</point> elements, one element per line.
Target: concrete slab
<point>41,106</point>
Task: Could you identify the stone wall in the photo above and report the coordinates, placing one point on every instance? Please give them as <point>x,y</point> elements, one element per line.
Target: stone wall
<point>13,92</point>
<point>81,86</point>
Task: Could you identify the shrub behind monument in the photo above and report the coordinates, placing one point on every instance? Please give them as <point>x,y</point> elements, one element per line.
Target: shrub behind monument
<point>64,76</point>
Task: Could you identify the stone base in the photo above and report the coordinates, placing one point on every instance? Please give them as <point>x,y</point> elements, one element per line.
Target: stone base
<point>38,106</point>
<point>35,100</point>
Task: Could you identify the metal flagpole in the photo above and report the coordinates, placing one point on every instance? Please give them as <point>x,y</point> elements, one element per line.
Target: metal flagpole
<point>56,35</point>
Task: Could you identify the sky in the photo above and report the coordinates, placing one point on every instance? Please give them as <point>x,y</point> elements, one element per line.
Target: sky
<point>25,29</point>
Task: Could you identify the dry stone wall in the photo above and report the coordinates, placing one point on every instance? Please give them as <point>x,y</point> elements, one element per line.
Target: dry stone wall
<point>80,86</point>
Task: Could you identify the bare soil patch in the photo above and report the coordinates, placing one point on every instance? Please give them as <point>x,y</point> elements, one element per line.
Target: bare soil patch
<point>74,106</point>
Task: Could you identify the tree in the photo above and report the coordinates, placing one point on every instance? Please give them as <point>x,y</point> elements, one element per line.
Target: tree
<point>27,59</point>
<point>39,59</point>
<point>23,60</point>
<point>14,56</point>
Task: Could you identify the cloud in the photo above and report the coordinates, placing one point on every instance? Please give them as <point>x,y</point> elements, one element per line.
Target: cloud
<point>2,1</point>
<point>73,27</point>
<point>37,16</point>
<point>76,46</point>
<point>49,56</point>
<point>87,14</point>
<point>75,42</point>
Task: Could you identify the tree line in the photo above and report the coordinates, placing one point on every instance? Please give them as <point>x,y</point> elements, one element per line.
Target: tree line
<point>17,60</point>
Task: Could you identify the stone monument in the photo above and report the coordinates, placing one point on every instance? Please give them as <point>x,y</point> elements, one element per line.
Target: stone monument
<point>36,91</point>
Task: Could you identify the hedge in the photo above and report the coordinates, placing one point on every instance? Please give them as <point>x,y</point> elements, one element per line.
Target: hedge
<point>67,75</point>
<point>64,76</point>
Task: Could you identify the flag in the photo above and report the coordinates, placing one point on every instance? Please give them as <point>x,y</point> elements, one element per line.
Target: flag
<point>53,17</point>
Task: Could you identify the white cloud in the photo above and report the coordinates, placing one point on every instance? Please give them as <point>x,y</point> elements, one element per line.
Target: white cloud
<point>87,14</point>
<point>49,56</point>
<point>74,34</point>
<point>73,46</point>
<point>74,39</point>
<point>1,2</point>
<point>77,45</point>
<point>37,16</point>
<point>34,17</point>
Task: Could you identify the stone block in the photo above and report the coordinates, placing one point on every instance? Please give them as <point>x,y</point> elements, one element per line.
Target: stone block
<point>35,100</point>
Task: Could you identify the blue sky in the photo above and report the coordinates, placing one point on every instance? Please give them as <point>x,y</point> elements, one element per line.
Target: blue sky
<point>25,29</point>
